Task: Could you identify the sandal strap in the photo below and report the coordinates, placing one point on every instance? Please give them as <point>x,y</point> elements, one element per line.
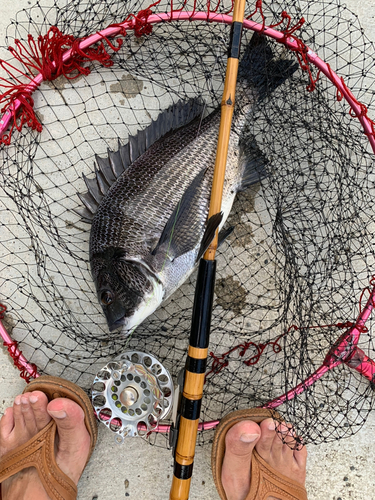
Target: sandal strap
<point>218,446</point>
<point>56,387</point>
<point>39,452</point>
<point>266,482</point>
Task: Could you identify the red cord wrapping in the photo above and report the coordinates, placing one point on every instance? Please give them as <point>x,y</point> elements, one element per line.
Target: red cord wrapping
<point>15,354</point>
<point>2,311</point>
<point>221,361</point>
<point>45,56</point>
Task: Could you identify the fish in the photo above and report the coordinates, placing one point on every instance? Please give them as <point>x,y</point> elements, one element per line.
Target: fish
<point>149,200</point>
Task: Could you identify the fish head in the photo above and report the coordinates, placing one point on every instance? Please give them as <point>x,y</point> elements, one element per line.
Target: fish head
<point>128,291</point>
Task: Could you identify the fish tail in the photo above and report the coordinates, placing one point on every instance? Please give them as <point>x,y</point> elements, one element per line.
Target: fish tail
<point>262,69</point>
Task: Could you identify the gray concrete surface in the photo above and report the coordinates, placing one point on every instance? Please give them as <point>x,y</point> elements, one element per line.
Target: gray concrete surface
<point>338,471</point>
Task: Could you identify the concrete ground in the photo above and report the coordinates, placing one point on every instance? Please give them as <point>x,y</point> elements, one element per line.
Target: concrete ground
<point>339,471</point>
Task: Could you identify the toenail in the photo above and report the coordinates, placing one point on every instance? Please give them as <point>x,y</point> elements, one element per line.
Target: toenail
<point>24,401</point>
<point>33,399</point>
<point>57,414</point>
<point>17,401</point>
<point>272,426</point>
<point>248,438</point>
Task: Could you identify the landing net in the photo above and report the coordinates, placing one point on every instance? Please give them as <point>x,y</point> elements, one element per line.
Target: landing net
<point>296,272</point>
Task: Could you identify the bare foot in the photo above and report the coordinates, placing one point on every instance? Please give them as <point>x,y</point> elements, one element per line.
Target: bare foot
<point>31,412</point>
<point>239,444</point>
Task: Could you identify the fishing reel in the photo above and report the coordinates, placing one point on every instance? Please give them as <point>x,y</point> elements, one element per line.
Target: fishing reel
<point>132,394</point>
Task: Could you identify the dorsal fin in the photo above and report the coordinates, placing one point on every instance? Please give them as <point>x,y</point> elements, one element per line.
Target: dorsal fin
<point>109,169</point>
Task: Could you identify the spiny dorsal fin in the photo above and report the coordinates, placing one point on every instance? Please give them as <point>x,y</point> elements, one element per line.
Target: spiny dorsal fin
<point>109,169</point>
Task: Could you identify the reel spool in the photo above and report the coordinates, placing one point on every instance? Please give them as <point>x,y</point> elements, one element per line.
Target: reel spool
<point>132,394</point>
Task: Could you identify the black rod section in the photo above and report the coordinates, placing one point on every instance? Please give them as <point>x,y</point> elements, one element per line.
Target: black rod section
<point>203,300</point>
<point>235,40</point>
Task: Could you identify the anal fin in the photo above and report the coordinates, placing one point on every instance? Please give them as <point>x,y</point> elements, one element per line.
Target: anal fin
<point>253,162</point>
<point>212,224</point>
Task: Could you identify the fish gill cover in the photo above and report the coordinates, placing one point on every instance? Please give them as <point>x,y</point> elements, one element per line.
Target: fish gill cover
<point>292,272</point>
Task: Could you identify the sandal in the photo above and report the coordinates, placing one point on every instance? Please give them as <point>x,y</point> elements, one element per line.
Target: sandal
<point>265,480</point>
<point>39,452</point>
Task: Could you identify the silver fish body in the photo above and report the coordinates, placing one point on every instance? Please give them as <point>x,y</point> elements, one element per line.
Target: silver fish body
<point>149,202</point>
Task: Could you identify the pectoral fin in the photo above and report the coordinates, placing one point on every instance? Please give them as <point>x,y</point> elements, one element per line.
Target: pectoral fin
<point>183,231</point>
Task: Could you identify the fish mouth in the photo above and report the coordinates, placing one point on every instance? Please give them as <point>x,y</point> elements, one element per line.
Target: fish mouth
<point>117,324</point>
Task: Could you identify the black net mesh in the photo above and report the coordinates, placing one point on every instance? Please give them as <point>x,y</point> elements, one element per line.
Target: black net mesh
<point>291,273</point>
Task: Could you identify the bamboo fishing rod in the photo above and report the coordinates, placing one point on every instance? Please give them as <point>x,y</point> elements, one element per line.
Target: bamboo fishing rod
<point>189,411</point>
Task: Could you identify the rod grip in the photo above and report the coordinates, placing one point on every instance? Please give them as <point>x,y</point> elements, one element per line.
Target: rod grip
<point>194,380</point>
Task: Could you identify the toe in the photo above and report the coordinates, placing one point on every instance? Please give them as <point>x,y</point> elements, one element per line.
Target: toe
<point>73,437</point>
<point>268,431</point>
<point>39,401</point>
<point>19,422</point>
<point>67,415</point>
<point>239,444</point>
<point>28,415</point>
<point>283,440</point>
<point>276,447</point>
<point>300,457</point>
<point>6,423</point>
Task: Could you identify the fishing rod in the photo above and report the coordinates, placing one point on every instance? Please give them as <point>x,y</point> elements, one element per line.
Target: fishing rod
<point>190,405</point>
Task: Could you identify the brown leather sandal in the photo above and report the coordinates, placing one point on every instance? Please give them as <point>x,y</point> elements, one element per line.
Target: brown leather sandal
<point>39,452</point>
<point>265,481</point>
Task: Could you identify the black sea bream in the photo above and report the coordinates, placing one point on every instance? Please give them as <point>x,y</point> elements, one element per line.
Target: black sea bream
<point>149,201</point>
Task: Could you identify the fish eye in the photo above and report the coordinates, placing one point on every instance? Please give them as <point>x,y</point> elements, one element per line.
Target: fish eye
<point>106,297</point>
